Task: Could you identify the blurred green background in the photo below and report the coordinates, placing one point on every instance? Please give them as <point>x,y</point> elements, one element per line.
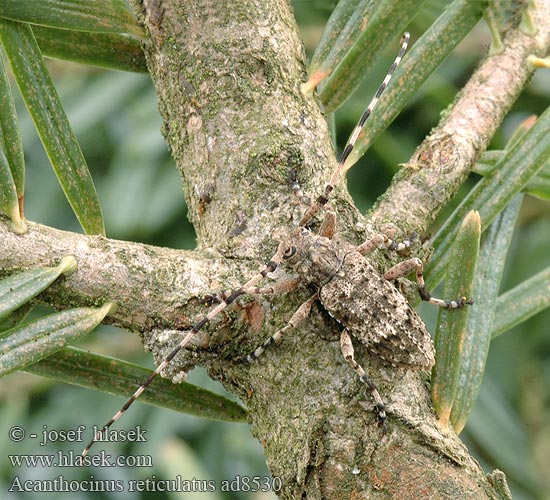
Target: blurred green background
<point>115,118</point>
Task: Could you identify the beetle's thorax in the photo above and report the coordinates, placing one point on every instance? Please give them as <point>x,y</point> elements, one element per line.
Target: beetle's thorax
<point>316,259</point>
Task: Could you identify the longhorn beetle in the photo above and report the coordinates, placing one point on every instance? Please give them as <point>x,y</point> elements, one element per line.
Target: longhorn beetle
<point>364,302</point>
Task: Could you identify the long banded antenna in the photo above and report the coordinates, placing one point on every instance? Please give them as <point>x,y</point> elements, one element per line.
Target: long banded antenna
<point>269,268</point>
<point>323,199</point>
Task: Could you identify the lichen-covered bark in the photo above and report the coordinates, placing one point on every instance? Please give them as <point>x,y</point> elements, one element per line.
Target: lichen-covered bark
<point>227,76</point>
<point>228,82</point>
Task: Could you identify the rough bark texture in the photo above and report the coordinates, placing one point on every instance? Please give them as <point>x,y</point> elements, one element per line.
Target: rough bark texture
<point>228,78</point>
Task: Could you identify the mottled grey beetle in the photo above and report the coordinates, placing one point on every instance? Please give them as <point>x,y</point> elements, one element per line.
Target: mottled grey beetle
<point>364,302</point>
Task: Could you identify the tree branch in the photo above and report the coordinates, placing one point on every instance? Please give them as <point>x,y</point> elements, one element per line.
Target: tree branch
<point>151,285</point>
<point>444,159</point>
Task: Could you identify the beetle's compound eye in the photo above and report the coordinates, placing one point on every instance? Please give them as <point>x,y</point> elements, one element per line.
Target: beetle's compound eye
<point>289,252</point>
